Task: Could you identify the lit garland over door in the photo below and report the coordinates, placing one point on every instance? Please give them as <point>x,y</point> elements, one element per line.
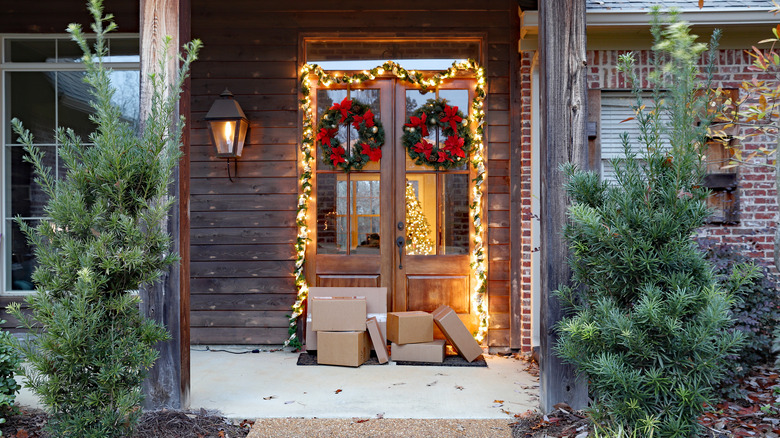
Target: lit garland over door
<point>477,256</point>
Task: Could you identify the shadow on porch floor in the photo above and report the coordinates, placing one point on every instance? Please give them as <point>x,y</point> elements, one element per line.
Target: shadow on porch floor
<point>270,384</point>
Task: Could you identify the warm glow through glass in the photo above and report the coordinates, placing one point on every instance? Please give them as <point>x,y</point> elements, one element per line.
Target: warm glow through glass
<point>229,134</point>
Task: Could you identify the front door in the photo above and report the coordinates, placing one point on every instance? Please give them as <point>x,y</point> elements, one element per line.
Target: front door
<point>394,223</point>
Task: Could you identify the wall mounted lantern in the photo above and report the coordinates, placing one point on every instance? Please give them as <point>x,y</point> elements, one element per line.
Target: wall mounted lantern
<point>228,125</point>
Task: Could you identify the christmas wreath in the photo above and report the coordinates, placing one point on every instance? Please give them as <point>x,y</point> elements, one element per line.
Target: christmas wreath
<point>371,136</point>
<point>452,124</point>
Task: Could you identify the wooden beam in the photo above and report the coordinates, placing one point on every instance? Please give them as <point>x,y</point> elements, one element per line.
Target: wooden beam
<point>563,139</point>
<point>161,301</point>
<point>185,34</point>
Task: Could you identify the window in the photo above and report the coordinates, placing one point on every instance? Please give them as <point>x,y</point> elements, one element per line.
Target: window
<point>616,118</point>
<point>42,83</point>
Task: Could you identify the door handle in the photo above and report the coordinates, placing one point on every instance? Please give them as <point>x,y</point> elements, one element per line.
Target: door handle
<point>400,242</point>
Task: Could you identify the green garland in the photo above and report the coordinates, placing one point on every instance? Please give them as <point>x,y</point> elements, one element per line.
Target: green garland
<point>452,124</point>
<point>368,146</point>
<point>478,255</point>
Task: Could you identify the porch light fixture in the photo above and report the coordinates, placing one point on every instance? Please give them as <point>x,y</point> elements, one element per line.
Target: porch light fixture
<point>227,125</point>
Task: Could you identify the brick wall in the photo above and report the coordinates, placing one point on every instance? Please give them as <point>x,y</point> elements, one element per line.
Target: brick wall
<point>756,218</point>
<point>528,221</point>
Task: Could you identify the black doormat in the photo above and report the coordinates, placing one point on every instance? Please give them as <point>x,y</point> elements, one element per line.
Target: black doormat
<point>449,361</point>
<point>306,359</point>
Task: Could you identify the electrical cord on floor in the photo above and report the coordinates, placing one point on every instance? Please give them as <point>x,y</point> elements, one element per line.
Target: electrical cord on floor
<point>219,350</point>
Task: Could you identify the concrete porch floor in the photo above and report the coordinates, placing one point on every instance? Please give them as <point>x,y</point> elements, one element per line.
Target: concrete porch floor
<point>238,386</point>
<point>269,384</point>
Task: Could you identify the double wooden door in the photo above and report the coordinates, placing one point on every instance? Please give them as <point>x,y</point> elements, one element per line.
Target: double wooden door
<point>394,224</point>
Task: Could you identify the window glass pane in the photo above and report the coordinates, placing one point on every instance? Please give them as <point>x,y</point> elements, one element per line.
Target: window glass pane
<point>32,50</point>
<point>124,49</point>
<point>30,98</point>
<point>73,99</point>
<point>325,100</point>
<point>365,237</point>
<point>420,202</point>
<point>371,98</point>
<point>69,51</point>
<point>414,100</point>
<point>412,53</point>
<point>458,98</point>
<point>331,231</point>
<point>22,260</point>
<point>368,97</point>
<point>27,198</point>
<point>455,214</point>
<point>127,96</point>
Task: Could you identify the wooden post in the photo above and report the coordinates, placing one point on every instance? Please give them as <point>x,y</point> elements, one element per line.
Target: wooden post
<point>563,139</point>
<point>165,387</point>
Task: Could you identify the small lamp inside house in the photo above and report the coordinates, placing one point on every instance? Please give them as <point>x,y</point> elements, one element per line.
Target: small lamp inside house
<point>228,125</point>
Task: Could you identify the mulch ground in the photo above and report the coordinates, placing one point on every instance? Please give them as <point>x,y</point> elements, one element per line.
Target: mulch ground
<point>757,414</point>
<point>29,423</point>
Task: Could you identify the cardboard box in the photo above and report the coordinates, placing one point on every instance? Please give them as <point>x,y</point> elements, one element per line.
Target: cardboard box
<point>377,340</point>
<point>349,349</point>
<point>421,352</point>
<point>338,314</point>
<point>457,333</point>
<point>409,327</point>
<point>376,305</point>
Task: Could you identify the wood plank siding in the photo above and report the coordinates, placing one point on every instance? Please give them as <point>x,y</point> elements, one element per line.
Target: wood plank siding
<point>242,232</point>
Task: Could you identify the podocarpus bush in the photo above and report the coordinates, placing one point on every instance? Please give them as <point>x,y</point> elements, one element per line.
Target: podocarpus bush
<point>649,323</point>
<point>756,311</point>
<point>9,362</point>
<point>103,240</point>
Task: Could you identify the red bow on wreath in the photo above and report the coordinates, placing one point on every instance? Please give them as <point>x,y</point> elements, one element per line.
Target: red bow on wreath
<point>326,135</point>
<point>344,108</point>
<point>451,115</point>
<point>373,154</point>
<point>368,117</point>
<point>423,147</point>
<point>415,122</point>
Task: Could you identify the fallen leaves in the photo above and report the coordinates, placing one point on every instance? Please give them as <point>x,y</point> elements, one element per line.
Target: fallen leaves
<point>338,391</point>
<point>758,414</point>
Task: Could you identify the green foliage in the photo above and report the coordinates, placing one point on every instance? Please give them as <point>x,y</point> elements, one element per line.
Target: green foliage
<point>756,311</point>
<point>9,362</point>
<point>776,347</point>
<point>649,323</point>
<point>104,241</point>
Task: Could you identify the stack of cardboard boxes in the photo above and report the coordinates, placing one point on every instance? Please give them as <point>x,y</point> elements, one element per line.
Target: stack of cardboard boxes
<point>411,337</point>
<point>340,323</point>
<point>343,328</point>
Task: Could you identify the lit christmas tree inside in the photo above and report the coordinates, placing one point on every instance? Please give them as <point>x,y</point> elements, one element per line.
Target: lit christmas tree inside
<point>418,229</point>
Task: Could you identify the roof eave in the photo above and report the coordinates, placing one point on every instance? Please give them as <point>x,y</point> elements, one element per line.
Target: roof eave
<point>636,18</point>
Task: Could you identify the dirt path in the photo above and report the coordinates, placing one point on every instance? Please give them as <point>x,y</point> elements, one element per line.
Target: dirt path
<point>378,427</point>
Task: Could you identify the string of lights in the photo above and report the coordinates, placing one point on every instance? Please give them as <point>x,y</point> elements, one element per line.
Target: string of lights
<point>478,256</point>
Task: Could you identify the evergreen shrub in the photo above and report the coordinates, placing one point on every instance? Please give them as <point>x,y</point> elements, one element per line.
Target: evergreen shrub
<point>650,325</point>
<point>9,363</point>
<point>103,241</point>
<point>756,311</point>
